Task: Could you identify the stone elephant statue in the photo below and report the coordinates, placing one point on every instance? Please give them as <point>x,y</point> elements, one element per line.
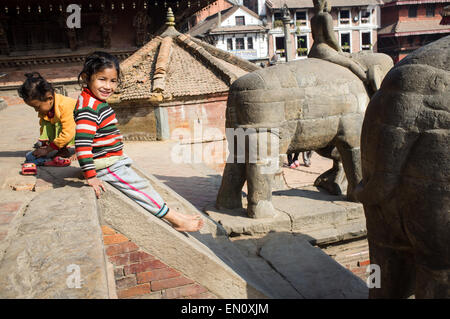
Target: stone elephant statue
<point>405,190</point>
<point>303,105</point>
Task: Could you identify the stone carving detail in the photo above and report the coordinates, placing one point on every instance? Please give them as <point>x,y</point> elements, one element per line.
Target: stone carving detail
<point>106,23</point>
<point>4,45</point>
<point>326,47</point>
<point>140,23</point>
<point>405,156</point>
<point>72,37</point>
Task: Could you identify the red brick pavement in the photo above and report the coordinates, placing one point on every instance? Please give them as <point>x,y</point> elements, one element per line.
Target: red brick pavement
<point>352,255</point>
<point>141,275</point>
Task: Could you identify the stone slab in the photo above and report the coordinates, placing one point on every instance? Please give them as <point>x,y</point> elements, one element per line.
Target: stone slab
<point>58,235</point>
<point>237,223</point>
<point>321,217</point>
<point>310,271</point>
<point>280,288</point>
<point>309,206</point>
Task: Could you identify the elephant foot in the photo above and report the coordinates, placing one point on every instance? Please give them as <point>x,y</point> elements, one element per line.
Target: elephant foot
<point>333,181</point>
<point>352,197</point>
<point>228,202</point>
<point>331,187</point>
<point>263,209</point>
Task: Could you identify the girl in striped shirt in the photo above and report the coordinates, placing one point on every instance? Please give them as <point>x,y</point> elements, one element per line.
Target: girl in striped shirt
<point>99,147</point>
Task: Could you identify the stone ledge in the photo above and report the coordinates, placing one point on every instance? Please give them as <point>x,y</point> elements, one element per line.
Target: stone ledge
<point>58,234</point>
<point>301,269</point>
<point>321,217</point>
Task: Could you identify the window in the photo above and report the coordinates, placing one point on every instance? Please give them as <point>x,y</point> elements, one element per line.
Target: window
<point>430,10</point>
<point>301,19</point>
<point>365,16</point>
<point>344,17</point>
<point>279,46</point>
<point>240,44</point>
<point>302,45</point>
<point>345,42</point>
<point>240,20</point>
<point>229,44</point>
<point>412,11</point>
<point>249,43</point>
<point>366,43</point>
<point>278,20</point>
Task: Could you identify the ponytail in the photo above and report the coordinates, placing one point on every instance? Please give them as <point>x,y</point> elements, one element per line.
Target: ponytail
<point>35,87</point>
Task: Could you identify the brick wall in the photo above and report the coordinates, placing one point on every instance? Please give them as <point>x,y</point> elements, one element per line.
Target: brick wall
<point>140,275</point>
<point>421,12</point>
<point>211,9</point>
<point>353,255</point>
<point>137,121</point>
<point>209,114</point>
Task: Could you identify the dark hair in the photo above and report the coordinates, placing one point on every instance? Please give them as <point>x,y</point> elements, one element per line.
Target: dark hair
<point>97,62</point>
<point>35,87</point>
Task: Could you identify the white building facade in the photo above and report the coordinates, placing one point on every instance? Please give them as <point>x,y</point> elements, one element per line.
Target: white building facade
<point>355,24</point>
<point>237,30</point>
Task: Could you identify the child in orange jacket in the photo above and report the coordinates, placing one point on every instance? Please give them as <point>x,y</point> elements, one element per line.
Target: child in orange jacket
<point>57,125</point>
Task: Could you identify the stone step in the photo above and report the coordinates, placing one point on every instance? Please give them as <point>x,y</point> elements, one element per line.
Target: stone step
<point>312,273</point>
<point>55,249</point>
<point>321,217</point>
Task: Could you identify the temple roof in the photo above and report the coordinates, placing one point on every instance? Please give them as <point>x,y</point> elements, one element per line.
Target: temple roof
<point>174,65</point>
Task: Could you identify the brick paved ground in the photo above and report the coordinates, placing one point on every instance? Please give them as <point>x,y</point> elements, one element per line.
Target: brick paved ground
<point>141,275</point>
<point>352,255</point>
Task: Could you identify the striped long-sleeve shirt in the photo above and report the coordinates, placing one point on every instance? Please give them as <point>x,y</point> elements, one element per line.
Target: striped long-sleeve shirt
<point>97,135</point>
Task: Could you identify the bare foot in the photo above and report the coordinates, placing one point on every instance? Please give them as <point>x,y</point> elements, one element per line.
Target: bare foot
<point>186,223</point>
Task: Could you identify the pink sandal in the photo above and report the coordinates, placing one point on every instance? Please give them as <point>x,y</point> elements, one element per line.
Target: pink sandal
<point>58,161</point>
<point>29,169</point>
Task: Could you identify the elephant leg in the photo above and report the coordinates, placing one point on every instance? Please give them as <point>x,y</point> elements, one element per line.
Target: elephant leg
<point>230,192</point>
<point>333,180</point>
<point>391,253</point>
<point>397,272</point>
<point>352,166</point>
<point>425,212</point>
<point>259,185</point>
<point>432,283</point>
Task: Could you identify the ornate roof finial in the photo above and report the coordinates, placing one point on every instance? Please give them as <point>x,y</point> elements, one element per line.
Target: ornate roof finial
<point>170,19</point>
